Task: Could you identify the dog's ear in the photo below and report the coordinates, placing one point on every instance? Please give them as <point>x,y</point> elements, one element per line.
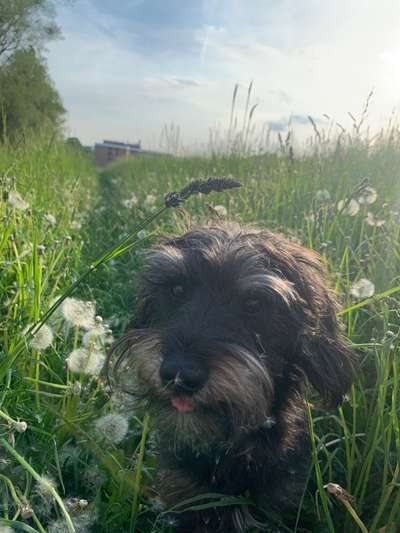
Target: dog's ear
<point>321,350</point>
<point>327,361</point>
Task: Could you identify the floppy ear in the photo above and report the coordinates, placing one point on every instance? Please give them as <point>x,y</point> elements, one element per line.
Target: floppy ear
<point>326,359</point>
<point>321,349</point>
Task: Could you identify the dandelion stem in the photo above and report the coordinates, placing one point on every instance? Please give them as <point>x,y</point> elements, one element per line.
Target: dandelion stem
<point>41,481</point>
<point>138,476</point>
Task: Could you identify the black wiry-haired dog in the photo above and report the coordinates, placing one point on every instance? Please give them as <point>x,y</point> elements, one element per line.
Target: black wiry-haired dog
<point>232,322</point>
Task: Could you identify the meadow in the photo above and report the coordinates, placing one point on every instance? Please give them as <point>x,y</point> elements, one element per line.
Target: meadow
<point>73,454</point>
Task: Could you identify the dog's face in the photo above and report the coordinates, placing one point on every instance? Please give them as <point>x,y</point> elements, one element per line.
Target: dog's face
<point>226,315</point>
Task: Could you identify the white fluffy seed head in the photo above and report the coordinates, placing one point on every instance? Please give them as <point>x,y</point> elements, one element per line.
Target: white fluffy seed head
<point>51,219</point>
<point>112,427</point>
<point>42,338</point>
<point>372,220</point>
<point>130,202</point>
<point>84,361</point>
<point>322,196</point>
<point>221,210</point>
<point>361,289</point>
<point>350,208</point>
<point>149,202</point>
<point>98,336</point>
<point>16,201</point>
<point>367,196</point>
<point>79,313</point>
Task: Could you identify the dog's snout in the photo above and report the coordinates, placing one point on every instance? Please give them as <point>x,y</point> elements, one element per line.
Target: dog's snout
<point>182,375</point>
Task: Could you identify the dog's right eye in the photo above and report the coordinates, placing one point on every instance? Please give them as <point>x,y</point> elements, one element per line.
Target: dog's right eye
<point>178,291</point>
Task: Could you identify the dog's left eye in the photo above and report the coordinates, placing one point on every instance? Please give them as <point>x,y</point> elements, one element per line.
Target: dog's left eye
<point>178,291</point>
<point>252,306</point>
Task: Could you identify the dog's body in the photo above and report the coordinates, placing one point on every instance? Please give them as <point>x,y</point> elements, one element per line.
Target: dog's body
<point>231,322</point>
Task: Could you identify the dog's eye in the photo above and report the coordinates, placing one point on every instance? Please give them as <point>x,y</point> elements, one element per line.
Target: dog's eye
<point>178,291</point>
<point>252,306</point>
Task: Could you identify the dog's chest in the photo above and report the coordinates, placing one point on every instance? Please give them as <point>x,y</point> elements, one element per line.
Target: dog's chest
<point>231,471</point>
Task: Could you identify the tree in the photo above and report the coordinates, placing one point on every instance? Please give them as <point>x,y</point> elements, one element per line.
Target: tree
<point>28,98</point>
<point>25,24</point>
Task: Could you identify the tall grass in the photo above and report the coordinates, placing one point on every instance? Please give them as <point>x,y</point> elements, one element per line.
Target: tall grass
<point>57,467</point>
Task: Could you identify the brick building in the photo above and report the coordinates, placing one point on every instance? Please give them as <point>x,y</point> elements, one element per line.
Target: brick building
<point>108,151</point>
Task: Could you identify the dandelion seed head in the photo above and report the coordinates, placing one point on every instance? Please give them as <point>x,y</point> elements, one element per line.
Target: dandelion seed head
<point>350,208</point>
<point>371,220</point>
<point>112,427</point>
<point>46,484</point>
<point>123,403</point>
<point>43,490</point>
<point>361,289</point>
<point>76,225</point>
<point>130,202</point>
<point>94,477</point>
<point>69,453</point>
<point>99,336</point>
<point>51,219</point>
<point>84,361</point>
<point>323,196</point>
<point>149,202</point>
<point>221,210</point>
<point>310,217</point>
<point>368,195</point>
<point>59,526</point>
<point>16,201</point>
<point>42,338</point>
<point>79,313</point>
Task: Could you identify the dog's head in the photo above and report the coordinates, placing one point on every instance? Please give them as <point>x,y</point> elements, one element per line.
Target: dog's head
<point>226,314</point>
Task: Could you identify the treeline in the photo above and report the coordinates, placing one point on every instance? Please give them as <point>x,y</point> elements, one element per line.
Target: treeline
<point>29,102</point>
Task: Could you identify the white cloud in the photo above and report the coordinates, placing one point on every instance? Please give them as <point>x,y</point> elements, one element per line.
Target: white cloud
<point>306,58</point>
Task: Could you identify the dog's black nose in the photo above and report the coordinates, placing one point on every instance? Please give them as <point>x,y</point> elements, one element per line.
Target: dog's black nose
<point>182,374</point>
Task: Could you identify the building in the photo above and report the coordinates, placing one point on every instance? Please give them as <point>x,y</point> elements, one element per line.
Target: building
<point>109,151</point>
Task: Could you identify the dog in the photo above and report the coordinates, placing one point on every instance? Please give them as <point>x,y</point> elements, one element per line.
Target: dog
<point>232,323</point>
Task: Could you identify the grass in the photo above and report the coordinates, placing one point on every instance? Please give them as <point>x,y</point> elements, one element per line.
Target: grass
<point>56,474</point>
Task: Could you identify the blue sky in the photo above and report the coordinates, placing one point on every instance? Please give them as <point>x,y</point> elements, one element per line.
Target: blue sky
<point>125,69</point>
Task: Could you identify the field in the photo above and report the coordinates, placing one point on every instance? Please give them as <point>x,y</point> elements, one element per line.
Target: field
<point>73,455</point>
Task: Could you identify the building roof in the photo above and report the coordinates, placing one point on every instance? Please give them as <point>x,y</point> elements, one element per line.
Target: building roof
<point>126,146</point>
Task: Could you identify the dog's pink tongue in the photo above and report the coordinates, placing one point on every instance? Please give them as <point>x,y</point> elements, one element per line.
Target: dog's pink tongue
<point>181,404</point>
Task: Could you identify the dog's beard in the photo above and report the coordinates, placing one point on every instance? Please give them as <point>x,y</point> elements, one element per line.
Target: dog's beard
<point>235,400</point>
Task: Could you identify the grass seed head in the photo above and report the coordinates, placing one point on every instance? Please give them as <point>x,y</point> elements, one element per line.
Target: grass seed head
<point>173,199</point>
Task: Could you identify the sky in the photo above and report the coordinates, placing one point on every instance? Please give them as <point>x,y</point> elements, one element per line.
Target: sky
<point>127,69</point>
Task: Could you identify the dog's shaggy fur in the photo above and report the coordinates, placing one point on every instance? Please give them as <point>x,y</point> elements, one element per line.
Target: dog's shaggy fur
<point>232,322</point>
